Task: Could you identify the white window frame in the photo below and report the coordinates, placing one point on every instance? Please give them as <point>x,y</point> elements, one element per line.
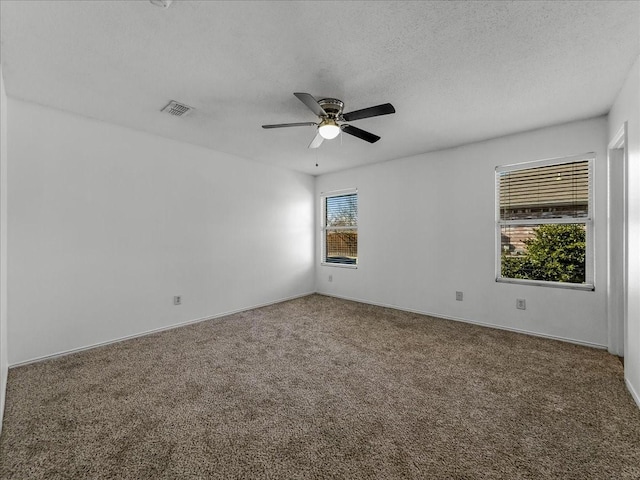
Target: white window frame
<point>587,221</point>
<point>324,229</point>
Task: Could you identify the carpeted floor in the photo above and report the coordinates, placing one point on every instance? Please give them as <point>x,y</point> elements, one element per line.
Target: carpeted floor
<point>323,388</point>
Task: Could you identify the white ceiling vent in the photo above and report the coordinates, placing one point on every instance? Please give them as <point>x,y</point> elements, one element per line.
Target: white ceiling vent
<point>177,109</point>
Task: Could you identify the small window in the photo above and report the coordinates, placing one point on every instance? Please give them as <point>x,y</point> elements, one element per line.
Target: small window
<point>544,226</point>
<point>340,228</point>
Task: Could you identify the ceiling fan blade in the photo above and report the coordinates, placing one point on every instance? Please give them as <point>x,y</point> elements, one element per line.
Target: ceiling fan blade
<point>282,125</point>
<point>384,109</point>
<point>317,141</point>
<point>312,103</point>
<point>357,132</point>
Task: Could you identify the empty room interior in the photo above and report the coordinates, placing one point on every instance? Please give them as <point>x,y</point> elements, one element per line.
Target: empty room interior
<point>325,239</point>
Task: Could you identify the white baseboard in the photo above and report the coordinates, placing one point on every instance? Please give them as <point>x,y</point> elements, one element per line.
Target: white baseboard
<point>3,393</point>
<point>473,322</point>
<point>633,392</point>
<point>152,331</point>
<point>224,314</point>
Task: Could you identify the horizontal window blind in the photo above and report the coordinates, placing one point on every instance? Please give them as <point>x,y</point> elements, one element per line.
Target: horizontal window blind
<point>342,211</point>
<point>549,191</point>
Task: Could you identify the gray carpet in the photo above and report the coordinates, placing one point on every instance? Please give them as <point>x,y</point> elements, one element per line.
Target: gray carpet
<point>323,388</point>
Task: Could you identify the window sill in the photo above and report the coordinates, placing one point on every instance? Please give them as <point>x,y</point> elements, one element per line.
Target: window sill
<point>540,283</point>
<point>339,265</point>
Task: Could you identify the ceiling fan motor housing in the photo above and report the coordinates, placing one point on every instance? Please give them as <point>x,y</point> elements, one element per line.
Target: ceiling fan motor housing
<point>332,106</point>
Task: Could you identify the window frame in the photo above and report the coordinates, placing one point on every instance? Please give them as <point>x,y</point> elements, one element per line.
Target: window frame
<point>588,222</point>
<point>324,229</point>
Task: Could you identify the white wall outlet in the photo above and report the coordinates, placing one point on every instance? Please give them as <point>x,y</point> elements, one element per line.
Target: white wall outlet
<point>177,300</point>
<point>459,296</point>
<point>331,278</point>
<point>521,304</point>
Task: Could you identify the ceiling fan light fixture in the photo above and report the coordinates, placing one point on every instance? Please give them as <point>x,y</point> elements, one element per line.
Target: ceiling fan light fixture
<point>329,129</point>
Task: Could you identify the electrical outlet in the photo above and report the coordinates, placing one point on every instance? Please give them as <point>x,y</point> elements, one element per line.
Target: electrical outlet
<point>459,296</point>
<point>521,304</point>
<point>331,278</point>
<point>177,300</point>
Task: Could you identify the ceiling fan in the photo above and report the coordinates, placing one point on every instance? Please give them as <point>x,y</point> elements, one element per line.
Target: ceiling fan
<point>331,119</point>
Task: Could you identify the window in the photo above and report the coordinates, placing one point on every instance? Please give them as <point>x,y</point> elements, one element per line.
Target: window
<point>340,228</point>
<point>544,226</point>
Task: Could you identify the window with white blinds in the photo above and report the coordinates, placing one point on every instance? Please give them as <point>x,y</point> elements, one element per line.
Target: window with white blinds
<point>340,228</point>
<point>544,222</point>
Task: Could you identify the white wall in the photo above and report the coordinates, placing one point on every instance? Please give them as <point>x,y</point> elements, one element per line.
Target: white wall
<point>4,361</point>
<point>426,229</point>
<point>627,109</point>
<point>107,224</point>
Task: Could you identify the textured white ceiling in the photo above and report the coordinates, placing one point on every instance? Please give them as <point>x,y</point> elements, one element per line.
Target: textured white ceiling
<point>456,72</point>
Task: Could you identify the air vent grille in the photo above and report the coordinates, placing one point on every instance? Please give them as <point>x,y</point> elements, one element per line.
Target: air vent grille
<point>177,109</point>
